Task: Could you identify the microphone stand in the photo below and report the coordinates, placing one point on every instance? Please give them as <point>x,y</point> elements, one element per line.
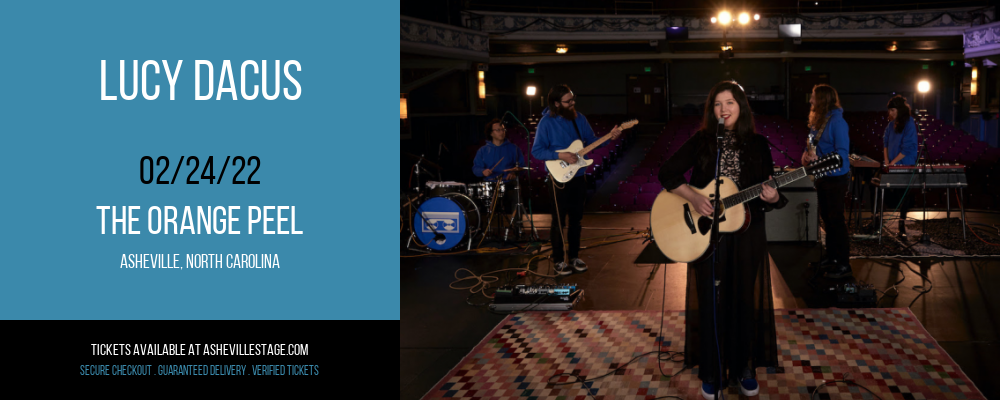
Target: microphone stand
<point>416,168</point>
<point>531,217</point>
<point>719,135</point>
<point>924,237</point>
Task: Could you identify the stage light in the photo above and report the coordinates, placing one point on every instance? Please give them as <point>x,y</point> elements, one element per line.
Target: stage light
<point>713,20</point>
<point>482,85</point>
<point>756,17</point>
<point>531,91</point>
<point>744,18</point>
<point>561,49</point>
<point>975,78</point>
<point>402,106</point>
<point>725,18</point>
<point>892,47</point>
<point>924,86</point>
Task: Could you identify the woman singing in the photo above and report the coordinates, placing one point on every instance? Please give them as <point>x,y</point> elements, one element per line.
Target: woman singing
<point>738,321</point>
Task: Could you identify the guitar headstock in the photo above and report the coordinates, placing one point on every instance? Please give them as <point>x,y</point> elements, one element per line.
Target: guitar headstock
<point>824,165</point>
<point>628,124</point>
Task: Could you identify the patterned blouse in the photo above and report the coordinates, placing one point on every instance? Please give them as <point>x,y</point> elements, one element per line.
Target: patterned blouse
<point>730,157</point>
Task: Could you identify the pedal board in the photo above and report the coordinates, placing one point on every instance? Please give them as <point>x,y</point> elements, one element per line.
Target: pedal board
<point>853,295</point>
<point>535,298</point>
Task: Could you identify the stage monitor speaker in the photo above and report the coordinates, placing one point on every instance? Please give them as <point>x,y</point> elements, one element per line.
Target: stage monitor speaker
<point>798,221</point>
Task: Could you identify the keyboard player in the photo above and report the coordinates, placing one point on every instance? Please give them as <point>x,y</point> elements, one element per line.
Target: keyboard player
<point>900,148</point>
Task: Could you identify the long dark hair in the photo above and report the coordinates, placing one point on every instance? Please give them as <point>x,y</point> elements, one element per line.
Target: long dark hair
<point>489,128</point>
<point>555,95</point>
<point>902,112</point>
<point>826,101</point>
<point>744,128</point>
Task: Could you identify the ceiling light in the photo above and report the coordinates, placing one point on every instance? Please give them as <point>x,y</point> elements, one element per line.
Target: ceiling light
<point>744,18</point>
<point>561,49</point>
<point>725,18</point>
<point>756,17</point>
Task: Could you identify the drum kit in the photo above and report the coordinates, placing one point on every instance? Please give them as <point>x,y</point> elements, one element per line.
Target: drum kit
<point>454,213</point>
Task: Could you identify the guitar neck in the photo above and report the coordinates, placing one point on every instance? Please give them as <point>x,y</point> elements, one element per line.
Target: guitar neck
<point>754,191</point>
<point>594,145</point>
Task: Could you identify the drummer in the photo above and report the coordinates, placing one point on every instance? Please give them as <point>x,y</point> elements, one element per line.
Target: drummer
<point>497,155</point>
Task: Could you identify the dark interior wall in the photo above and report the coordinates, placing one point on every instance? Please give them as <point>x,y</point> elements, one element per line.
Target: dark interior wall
<point>864,85</point>
<point>691,80</point>
<point>600,87</point>
<point>867,85</point>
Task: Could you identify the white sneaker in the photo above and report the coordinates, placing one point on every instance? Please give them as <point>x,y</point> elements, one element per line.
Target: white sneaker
<point>578,264</point>
<point>749,387</point>
<point>563,269</point>
<point>708,391</point>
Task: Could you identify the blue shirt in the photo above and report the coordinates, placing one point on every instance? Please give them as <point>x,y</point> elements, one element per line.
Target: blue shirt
<point>835,139</point>
<point>488,155</point>
<point>905,143</point>
<point>557,133</point>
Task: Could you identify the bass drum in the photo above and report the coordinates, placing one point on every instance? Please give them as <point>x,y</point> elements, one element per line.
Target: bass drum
<point>437,189</point>
<point>454,216</point>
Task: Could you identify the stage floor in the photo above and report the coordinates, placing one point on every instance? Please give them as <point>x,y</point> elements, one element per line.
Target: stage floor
<point>440,326</point>
<point>579,354</point>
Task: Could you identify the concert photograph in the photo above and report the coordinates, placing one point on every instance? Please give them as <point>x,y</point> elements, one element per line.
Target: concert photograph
<point>668,199</point>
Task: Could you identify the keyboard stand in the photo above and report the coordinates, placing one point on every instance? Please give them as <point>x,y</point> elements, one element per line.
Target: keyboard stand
<point>880,209</point>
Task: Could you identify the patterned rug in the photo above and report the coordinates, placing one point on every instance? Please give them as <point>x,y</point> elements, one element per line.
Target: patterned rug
<point>885,349</point>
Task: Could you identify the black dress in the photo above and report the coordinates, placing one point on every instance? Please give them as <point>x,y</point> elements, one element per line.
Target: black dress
<point>745,310</point>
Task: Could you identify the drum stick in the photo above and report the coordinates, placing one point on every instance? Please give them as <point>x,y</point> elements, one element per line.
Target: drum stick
<point>498,163</point>
<point>412,200</point>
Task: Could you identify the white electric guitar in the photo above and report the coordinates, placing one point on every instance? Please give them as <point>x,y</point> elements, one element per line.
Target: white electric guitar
<point>563,171</point>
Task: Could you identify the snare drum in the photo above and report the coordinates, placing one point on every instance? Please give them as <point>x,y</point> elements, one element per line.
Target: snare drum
<point>454,215</point>
<point>438,189</point>
<point>484,191</point>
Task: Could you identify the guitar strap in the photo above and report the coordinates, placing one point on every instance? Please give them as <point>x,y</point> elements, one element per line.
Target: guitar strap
<point>577,128</point>
<point>819,133</point>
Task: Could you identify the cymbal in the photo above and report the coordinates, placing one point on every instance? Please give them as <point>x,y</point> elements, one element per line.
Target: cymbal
<point>426,162</point>
<point>517,169</point>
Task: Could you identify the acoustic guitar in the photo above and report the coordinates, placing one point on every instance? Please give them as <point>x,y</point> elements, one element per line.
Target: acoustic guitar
<point>683,235</point>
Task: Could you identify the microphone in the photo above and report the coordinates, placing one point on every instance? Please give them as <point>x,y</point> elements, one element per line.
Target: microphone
<point>722,127</point>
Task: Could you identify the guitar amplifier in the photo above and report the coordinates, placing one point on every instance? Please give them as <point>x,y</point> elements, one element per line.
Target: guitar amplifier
<point>798,221</point>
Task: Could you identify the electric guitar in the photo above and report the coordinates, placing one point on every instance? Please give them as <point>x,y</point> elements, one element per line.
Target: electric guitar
<point>811,144</point>
<point>683,235</point>
<point>563,171</point>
